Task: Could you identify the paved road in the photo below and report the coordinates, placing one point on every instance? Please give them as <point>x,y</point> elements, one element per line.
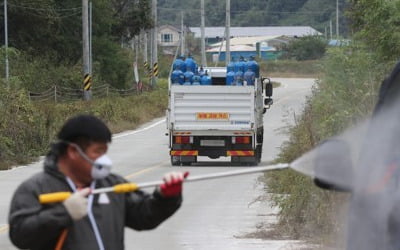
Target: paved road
<point>216,214</point>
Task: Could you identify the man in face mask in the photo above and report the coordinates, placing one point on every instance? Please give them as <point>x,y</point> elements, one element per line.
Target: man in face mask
<point>78,163</point>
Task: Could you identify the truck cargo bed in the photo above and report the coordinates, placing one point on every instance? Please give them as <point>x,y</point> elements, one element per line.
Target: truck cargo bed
<point>211,108</point>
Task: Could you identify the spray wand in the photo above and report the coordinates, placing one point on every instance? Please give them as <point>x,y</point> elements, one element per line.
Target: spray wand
<point>131,187</point>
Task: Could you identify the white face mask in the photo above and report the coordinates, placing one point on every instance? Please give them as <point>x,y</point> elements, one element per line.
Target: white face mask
<point>101,167</point>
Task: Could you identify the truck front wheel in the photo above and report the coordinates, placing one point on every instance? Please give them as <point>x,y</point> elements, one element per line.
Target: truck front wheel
<point>258,153</point>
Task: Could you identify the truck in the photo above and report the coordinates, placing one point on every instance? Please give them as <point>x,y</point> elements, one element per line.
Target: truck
<point>217,120</point>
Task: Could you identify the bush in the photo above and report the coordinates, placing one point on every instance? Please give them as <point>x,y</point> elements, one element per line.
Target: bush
<point>291,68</point>
<point>345,94</point>
<point>306,48</point>
<point>27,128</point>
<point>112,63</point>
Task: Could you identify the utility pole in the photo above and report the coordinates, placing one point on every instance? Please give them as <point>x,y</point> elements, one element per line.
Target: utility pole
<point>90,38</point>
<point>146,64</point>
<point>155,45</point>
<point>203,41</point>
<point>228,32</point>
<point>87,79</point>
<point>182,35</point>
<point>145,51</point>
<point>330,29</point>
<point>337,19</point>
<point>6,42</point>
<point>135,47</point>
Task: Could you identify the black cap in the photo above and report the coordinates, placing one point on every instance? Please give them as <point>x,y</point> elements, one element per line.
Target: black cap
<point>85,126</point>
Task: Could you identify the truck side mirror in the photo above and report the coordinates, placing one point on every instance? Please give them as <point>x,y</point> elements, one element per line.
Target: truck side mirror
<point>268,101</point>
<point>268,86</point>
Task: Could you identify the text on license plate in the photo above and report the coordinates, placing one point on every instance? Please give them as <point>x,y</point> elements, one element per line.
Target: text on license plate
<point>212,116</point>
<point>212,143</point>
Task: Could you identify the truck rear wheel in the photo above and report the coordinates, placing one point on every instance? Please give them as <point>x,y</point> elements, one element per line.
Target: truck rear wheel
<point>183,160</point>
<point>175,161</point>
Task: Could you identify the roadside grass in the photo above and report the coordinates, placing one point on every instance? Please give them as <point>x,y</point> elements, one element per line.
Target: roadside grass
<point>276,84</point>
<point>291,68</point>
<point>27,128</point>
<point>288,68</point>
<point>345,94</point>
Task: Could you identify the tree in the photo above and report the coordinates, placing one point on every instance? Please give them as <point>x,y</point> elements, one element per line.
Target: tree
<point>50,31</point>
<point>376,22</point>
<point>306,48</point>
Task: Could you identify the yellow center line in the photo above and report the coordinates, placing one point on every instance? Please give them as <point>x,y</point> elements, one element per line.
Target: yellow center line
<point>4,228</point>
<point>290,96</point>
<point>134,174</point>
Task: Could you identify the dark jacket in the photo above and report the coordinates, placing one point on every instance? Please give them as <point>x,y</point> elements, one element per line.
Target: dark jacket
<point>37,226</point>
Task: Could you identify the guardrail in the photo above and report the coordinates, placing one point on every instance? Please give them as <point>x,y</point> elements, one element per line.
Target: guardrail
<point>65,94</point>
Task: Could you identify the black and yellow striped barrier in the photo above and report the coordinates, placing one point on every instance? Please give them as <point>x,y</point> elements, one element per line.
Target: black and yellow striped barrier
<point>146,65</point>
<point>87,82</point>
<point>148,69</point>
<point>155,70</point>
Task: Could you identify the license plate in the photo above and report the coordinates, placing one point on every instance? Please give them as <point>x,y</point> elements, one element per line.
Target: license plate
<point>212,143</point>
<point>212,116</point>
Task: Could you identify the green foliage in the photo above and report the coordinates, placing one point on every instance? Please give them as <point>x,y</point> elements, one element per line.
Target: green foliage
<point>113,63</point>
<point>19,127</point>
<point>345,94</point>
<point>27,128</point>
<point>377,24</point>
<point>291,68</point>
<point>47,34</point>
<point>306,48</point>
<point>39,74</point>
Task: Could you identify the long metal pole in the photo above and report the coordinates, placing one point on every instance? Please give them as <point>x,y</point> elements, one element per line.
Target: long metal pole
<point>151,56</point>
<point>6,42</point>
<point>203,41</point>
<point>85,50</point>
<point>337,19</point>
<point>228,32</point>
<point>145,50</point>
<point>90,38</point>
<point>182,35</point>
<point>155,45</point>
<point>131,187</point>
<point>207,176</point>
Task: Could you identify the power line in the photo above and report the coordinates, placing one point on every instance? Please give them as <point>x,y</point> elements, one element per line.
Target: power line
<point>57,16</point>
<point>246,11</point>
<point>44,9</point>
<point>50,13</point>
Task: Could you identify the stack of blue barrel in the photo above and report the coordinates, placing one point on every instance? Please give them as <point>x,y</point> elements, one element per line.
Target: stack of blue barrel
<point>241,72</point>
<point>186,72</point>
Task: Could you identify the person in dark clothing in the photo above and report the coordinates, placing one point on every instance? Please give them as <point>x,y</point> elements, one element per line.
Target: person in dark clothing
<point>78,163</point>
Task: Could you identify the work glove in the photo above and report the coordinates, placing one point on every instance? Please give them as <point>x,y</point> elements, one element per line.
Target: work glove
<point>77,204</point>
<point>172,185</point>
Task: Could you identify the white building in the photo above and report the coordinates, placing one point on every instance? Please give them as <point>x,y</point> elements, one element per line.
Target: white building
<point>168,36</point>
<point>216,34</point>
